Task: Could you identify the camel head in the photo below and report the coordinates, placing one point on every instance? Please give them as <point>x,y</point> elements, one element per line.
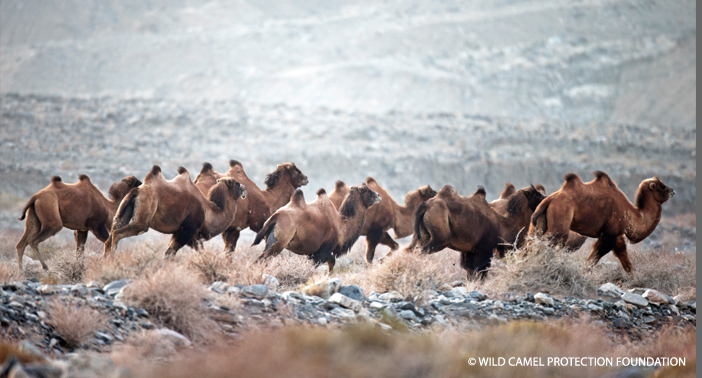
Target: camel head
<point>660,191</point>
<point>289,170</point>
<point>422,194</point>
<point>367,196</point>
<point>534,195</point>
<point>118,190</point>
<point>226,187</point>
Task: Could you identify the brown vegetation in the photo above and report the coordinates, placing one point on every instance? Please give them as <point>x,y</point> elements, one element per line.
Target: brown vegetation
<point>258,206</point>
<point>317,229</point>
<point>80,207</point>
<point>176,207</point>
<point>598,209</point>
<point>76,323</point>
<point>173,296</point>
<point>385,215</point>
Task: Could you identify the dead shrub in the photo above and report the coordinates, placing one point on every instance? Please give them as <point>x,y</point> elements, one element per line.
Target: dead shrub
<point>69,267</point>
<point>173,295</point>
<point>74,322</point>
<point>210,264</point>
<point>9,272</point>
<point>411,274</point>
<point>128,264</point>
<point>539,266</point>
<point>672,273</point>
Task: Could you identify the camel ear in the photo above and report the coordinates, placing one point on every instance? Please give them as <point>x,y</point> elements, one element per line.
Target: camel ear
<point>422,191</point>
<point>652,186</point>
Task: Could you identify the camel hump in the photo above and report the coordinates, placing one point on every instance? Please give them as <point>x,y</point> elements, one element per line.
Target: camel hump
<point>321,191</point>
<point>206,168</point>
<point>84,178</point>
<point>508,191</point>
<point>572,180</point>
<point>298,198</point>
<point>370,180</point>
<point>480,191</point>
<point>601,177</point>
<point>233,163</point>
<point>447,191</point>
<point>182,170</point>
<point>155,170</point>
<point>56,180</point>
<point>339,185</point>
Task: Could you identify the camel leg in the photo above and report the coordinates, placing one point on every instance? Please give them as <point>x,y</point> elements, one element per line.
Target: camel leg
<point>183,236</point>
<point>622,254</point>
<point>372,239</point>
<point>388,240</point>
<point>479,258</point>
<point>330,263</point>
<point>81,237</point>
<point>101,232</point>
<point>138,223</point>
<point>601,247</point>
<point>575,241</point>
<point>230,237</point>
<point>50,219</point>
<point>31,229</point>
<point>276,241</point>
<point>131,229</point>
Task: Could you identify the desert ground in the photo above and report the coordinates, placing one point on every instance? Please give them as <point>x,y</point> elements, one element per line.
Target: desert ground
<point>407,92</point>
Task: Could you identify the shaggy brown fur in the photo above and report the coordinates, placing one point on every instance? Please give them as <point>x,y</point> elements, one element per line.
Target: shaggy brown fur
<point>317,229</point>
<point>466,224</point>
<point>80,207</point>
<point>518,205</point>
<point>176,207</point>
<point>385,215</point>
<point>253,211</point>
<point>598,209</point>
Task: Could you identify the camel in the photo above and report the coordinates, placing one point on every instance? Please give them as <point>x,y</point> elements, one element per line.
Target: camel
<point>80,207</point>
<point>385,215</point>
<point>517,205</point>
<point>258,206</point>
<point>599,209</point>
<point>466,224</point>
<point>176,207</point>
<point>317,229</point>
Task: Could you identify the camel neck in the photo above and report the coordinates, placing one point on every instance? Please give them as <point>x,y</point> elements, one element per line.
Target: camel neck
<point>279,195</point>
<point>641,221</point>
<point>351,226</point>
<point>404,216</point>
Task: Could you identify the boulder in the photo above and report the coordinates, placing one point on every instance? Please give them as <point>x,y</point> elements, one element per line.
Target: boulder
<point>271,282</point>
<point>114,287</point>
<point>544,299</point>
<point>353,292</point>
<point>346,302</point>
<point>323,289</point>
<point>635,299</point>
<point>655,296</point>
<point>610,290</point>
<point>255,291</point>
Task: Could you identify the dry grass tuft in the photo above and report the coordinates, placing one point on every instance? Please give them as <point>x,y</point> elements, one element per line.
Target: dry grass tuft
<point>540,266</point>
<point>210,264</point>
<point>75,323</point>
<point>9,272</point>
<point>69,267</point>
<point>410,274</point>
<point>130,263</point>
<point>173,295</point>
<point>669,272</point>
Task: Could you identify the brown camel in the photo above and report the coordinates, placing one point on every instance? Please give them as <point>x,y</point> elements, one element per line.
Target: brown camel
<point>176,207</point>
<point>317,229</point>
<point>466,224</point>
<point>258,206</point>
<point>385,215</point>
<point>80,207</point>
<point>598,209</point>
<point>518,205</point>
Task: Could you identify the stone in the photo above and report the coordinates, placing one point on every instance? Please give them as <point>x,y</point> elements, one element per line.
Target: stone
<point>459,291</point>
<point>445,287</point>
<point>47,289</point>
<point>689,318</point>
<point>79,289</point>
<point>594,308</point>
<point>346,302</point>
<point>219,287</point>
<point>478,296</point>
<point>376,305</point>
<point>674,309</point>
<point>693,306</point>
<point>610,290</point>
<point>322,321</point>
<point>635,299</point>
<point>441,320</point>
<point>323,289</point>
<point>28,349</point>
<point>549,310</point>
<point>494,319</point>
<point>392,296</point>
<point>456,283</point>
<point>101,335</point>
<point>655,296</point>
<point>620,323</point>
<point>270,281</point>
<point>649,319</point>
<point>233,290</point>
<point>114,287</point>
<point>343,313</point>
<point>353,292</point>
<point>543,299</point>
<point>407,315</point>
<point>255,291</point>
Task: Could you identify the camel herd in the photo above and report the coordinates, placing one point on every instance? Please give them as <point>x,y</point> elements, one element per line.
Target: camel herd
<point>226,203</point>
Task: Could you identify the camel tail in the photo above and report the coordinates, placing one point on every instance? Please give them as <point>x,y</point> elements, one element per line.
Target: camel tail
<point>540,211</point>
<point>267,228</point>
<point>125,212</point>
<point>29,204</point>
<point>418,225</point>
